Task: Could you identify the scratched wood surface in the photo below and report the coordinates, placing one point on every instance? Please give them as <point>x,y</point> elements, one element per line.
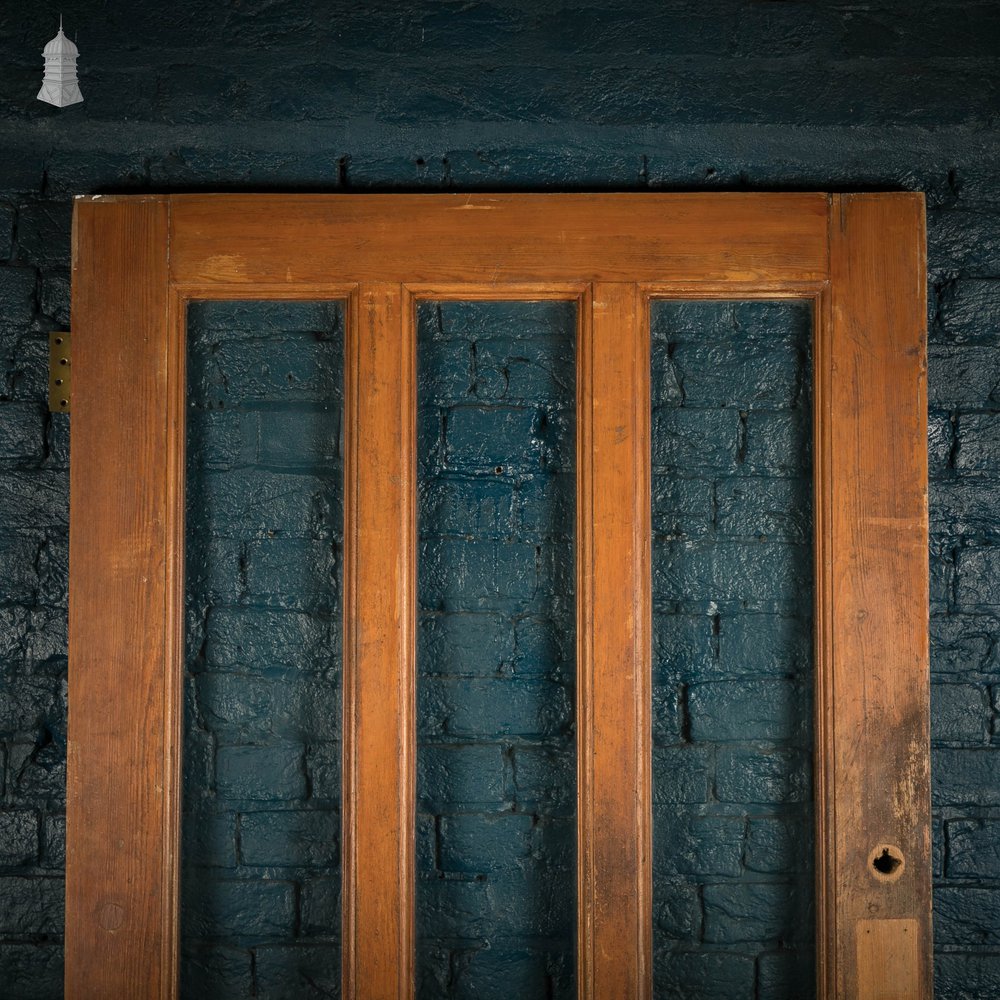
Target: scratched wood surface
<point>614,828</point>
<point>123,616</point>
<point>380,661</point>
<point>861,255</point>
<point>873,793</point>
<point>499,238</point>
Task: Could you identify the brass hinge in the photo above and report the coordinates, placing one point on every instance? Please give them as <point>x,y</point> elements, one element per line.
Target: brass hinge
<point>59,369</point>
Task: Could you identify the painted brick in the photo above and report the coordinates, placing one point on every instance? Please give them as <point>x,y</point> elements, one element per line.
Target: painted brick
<point>688,439</point>
<point>940,442</point>
<point>257,640</point>
<point>973,849</point>
<point>963,643</point>
<point>768,776</point>
<point>240,708</point>
<point>772,508</point>
<point>686,772</point>
<point>216,970</point>
<point>978,442</point>
<point>702,846</point>
<point>17,299</point>
<point>238,909</point>
<point>785,973</point>
<point>307,437</point>
<point>209,837</point>
<point>323,769</point>
<point>730,571</point>
<point>778,443</point>
<point>31,971</point>
<point>972,311</point>
<point>965,777</point>
<point>31,905</point>
<point>733,373</point>
<point>290,838</point>
<point>321,906</point>
<point>473,575</point>
<point>21,432</point>
<point>478,845</point>
<point>966,976</point>
<point>755,709</point>
<point>298,367</point>
<point>542,780</point>
<point>762,644</point>
<point>966,916</point>
<point>18,837</point>
<point>254,503</point>
<point>54,842</point>
<point>480,438</point>
<point>463,777</point>
<point>960,713</point>
<point>467,506</point>
<point>754,912</point>
<point>682,508</point>
<point>677,911</point>
<point>465,644</point>
<point>288,973</point>
<point>963,375</point>
<point>493,708</point>
<point>269,773</point>
<point>703,975</point>
<point>777,846</point>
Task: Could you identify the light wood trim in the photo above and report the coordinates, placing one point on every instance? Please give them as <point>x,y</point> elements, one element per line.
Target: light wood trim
<point>379,648</point>
<point>614,835</point>
<point>872,731</point>
<point>862,255</point>
<point>124,612</point>
<point>456,238</point>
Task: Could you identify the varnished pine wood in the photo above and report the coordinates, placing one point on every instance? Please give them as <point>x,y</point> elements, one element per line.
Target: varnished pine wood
<point>124,615</point>
<point>614,836</point>
<point>872,653</point>
<point>491,238</point>
<point>379,654</point>
<point>863,257</point>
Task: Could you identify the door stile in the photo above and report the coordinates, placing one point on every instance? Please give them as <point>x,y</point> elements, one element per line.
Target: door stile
<point>124,616</point>
<point>613,684</point>
<point>872,570</point>
<point>379,645</point>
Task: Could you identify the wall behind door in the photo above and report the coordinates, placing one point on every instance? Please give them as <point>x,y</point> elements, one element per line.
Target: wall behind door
<point>510,95</point>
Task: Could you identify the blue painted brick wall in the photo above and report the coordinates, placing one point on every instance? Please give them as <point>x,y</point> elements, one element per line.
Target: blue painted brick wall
<point>496,656</point>
<point>505,95</point>
<point>260,882</point>
<point>732,636</point>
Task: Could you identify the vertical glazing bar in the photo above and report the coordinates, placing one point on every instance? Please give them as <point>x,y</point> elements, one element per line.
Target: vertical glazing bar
<point>615,918</point>
<point>379,657</point>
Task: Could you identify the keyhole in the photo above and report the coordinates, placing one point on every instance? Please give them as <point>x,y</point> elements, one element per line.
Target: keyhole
<point>887,862</point>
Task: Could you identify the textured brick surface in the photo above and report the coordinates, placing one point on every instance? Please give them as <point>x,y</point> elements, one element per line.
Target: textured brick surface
<point>496,758</point>
<point>732,687</point>
<point>262,816</point>
<point>423,96</point>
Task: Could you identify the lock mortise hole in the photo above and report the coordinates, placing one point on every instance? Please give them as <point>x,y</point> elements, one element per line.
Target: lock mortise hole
<point>887,862</point>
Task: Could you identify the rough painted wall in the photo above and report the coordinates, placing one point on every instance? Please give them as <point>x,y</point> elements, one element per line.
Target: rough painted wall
<point>496,757</point>
<point>732,657</point>
<point>510,95</point>
<point>260,882</point>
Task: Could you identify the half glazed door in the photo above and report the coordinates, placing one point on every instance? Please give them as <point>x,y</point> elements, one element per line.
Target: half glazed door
<point>857,264</point>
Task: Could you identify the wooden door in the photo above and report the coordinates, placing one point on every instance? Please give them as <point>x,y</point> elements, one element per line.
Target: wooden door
<point>859,259</point>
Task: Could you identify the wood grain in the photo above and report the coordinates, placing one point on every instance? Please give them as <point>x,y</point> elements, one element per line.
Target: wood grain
<point>380,653</point>
<point>863,256</point>
<point>872,748</point>
<point>613,635</point>
<point>124,615</point>
<point>499,238</point>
